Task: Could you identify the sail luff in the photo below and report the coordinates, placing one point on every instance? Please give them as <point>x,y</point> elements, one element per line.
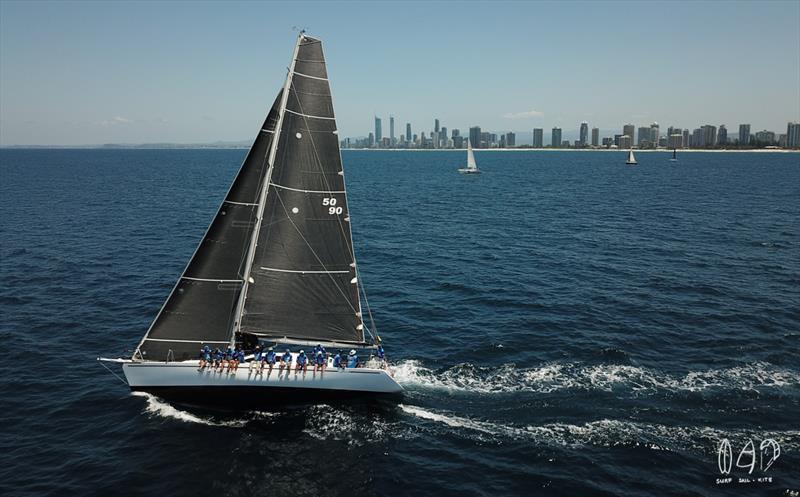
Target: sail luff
<point>263,196</point>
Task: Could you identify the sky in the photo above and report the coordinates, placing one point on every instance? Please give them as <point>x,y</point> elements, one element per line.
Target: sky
<point>80,73</point>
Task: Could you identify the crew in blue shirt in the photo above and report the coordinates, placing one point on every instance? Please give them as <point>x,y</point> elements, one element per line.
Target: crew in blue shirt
<point>338,360</point>
<point>320,361</point>
<point>270,357</point>
<point>256,362</point>
<point>381,353</point>
<point>301,362</point>
<point>228,360</point>
<point>352,362</point>
<point>320,348</point>
<point>205,357</point>
<point>286,360</point>
<point>239,358</point>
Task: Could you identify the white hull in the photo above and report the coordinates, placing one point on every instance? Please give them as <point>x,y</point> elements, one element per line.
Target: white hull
<point>469,171</point>
<point>183,377</point>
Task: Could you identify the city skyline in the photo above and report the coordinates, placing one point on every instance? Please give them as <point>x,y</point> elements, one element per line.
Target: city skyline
<point>88,73</point>
<point>630,136</point>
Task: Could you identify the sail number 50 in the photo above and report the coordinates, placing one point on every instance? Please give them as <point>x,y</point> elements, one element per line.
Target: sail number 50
<point>330,203</point>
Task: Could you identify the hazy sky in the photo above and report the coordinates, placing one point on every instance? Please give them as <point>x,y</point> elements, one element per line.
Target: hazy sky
<point>88,73</point>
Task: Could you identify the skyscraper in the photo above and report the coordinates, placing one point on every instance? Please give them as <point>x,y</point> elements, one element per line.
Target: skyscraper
<point>443,137</point>
<point>537,138</point>
<point>391,130</point>
<point>408,132</point>
<point>654,134</point>
<point>595,137</point>
<point>555,137</point>
<point>630,130</point>
<point>584,134</point>
<point>436,126</point>
<point>709,135</point>
<point>378,132</point>
<point>475,136</point>
<point>793,135</point>
<point>511,139</point>
<point>686,138</point>
<point>722,135</point>
<point>744,135</point>
<point>643,139</point>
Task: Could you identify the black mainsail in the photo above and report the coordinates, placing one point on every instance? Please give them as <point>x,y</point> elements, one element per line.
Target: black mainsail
<point>277,261</point>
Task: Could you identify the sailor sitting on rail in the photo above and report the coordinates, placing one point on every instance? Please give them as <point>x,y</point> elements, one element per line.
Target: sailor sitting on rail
<point>217,356</point>
<point>319,348</point>
<point>320,361</point>
<point>352,362</point>
<point>255,363</point>
<point>270,358</point>
<point>205,357</point>
<point>302,362</point>
<point>286,360</point>
<point>238,358</point>
<point>381,353</point>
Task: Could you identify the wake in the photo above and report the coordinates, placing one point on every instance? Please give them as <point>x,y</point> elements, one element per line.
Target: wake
<point>554,377</point>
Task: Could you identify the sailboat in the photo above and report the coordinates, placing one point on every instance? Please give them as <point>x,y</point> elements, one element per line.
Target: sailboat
<point>472,166</point>
<point>631,159</point>
<point>276,267</point>
<point>674,155</point>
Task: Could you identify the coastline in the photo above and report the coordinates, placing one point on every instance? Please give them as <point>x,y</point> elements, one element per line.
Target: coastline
<point>636,150</point>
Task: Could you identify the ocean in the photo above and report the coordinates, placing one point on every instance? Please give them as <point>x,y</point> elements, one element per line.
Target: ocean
<point>563,324</point>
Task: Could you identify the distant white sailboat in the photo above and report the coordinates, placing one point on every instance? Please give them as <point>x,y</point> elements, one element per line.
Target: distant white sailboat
<point>631,159</point>
<point>674,156</point>
<point>472,167</point>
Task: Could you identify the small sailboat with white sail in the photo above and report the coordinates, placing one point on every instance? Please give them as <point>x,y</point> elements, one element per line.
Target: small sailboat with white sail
<point>276,267</point>
<point>472,166</point>
<point>631,158</point>
<point>674,155</point>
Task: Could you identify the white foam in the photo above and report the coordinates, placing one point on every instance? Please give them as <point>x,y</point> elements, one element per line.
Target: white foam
<point>561,376</point>
<point>160,408</point>
<point>603,432</point>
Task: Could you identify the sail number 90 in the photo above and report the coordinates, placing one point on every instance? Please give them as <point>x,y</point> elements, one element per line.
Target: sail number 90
<point>330,203</point>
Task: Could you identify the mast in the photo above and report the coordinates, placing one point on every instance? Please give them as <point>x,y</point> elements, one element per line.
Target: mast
<point>263,196</point>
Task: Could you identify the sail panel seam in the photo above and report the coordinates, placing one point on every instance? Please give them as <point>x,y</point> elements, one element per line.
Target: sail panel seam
<point>308,115</point>
<point>215,280</point>
<point>302,272</point>
<point>309,76</point>
<point>305,191</point>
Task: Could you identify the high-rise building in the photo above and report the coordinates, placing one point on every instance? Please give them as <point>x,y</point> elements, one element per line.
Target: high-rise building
<point>722,135</point>
<point>555,137</point>
<point>443,137</point>
<point>436,126</point>
<point>686,138</point>
<point>630,130</point>
<point>654,134</point>
<point>595,137</point>
<point>698,138</point>
<point>709,135</point>
<point>391,130</point>
<point>408,132</point>
<point>458,141</point>
<point>511,139</point>
<point>643,137</point>
<point>793,135</point>
<point>744,135</point>
<point>378,132</point>
<point>625,141</point>
<point>456,132</point>
<point>675,140</point>
<point>475,136</point>
<point>584,134</point>
<point>371,140</point>
<point>537,137</point>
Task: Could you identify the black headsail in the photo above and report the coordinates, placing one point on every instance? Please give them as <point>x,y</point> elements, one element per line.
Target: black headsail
<point>201,307</point>
<point>302,283</point>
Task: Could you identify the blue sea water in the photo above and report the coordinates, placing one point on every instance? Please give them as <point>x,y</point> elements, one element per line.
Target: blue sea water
<point>563,325</point>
